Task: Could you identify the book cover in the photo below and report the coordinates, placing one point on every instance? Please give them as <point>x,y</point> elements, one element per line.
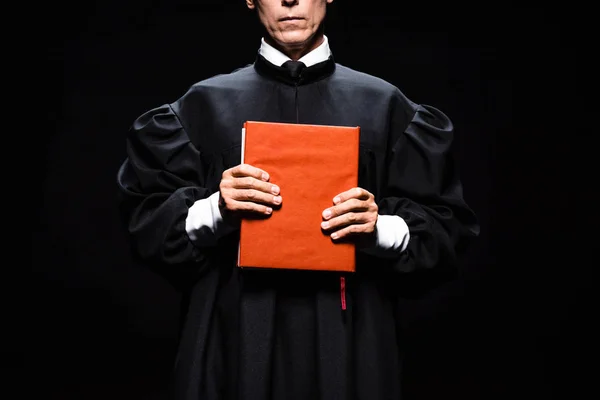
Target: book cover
<point>311,164</point>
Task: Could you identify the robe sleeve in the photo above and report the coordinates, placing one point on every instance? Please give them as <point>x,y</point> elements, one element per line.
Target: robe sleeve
<point>158,182</point>
<point>423,188</point>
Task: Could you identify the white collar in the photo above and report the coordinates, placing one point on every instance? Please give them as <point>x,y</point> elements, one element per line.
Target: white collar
<point>276,57</point>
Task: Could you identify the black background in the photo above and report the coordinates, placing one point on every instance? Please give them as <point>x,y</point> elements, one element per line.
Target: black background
<point>516,323</point>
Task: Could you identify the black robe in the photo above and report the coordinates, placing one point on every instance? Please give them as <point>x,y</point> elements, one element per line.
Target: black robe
<point>270,334</point>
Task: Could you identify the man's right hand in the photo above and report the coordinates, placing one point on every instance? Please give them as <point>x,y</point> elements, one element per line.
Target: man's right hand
<point>246,190</point>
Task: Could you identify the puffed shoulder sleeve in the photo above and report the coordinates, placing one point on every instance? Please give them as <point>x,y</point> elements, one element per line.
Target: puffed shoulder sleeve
<point>424,189</point>
<point>158,182</point>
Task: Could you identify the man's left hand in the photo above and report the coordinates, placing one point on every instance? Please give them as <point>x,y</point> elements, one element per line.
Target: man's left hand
<point>353,215</point>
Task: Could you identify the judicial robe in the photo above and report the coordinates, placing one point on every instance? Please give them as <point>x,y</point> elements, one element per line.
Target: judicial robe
<point>271,334</point>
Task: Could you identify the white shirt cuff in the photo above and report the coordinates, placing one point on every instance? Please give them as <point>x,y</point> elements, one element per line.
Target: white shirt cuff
<point>204,223</point>
<point>392,236</point>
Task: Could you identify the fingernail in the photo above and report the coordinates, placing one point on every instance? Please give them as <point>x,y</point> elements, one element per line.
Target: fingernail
<point>277,199</point>
<point>265,176</point>
<point>336,200</point>
<point>324,224</point>
<point>327,213</point>
<point>275,189</point>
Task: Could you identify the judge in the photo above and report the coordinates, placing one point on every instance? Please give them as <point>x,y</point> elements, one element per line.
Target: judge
<point>281,334</point>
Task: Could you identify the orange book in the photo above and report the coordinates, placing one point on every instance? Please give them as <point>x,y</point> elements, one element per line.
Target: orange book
<point>311,164</point>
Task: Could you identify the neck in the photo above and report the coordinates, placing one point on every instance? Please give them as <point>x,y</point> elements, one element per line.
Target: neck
<point>296,52</point>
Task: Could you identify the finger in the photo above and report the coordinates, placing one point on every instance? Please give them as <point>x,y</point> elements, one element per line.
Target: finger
<point>249,170</point>
<point>235,206</point>
<point>351,205</point>
<point>348,231</point>
<point>354,193</point>
<point>250,207</point>
<point>351,218</point>
<point>254,184</point>
<point>255,196</point>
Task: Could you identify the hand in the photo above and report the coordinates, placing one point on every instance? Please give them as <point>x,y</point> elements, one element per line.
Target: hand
<point>353,216</point>
<point>245,191</point>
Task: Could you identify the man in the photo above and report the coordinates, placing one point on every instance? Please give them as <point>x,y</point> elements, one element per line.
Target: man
<point>281,334</point>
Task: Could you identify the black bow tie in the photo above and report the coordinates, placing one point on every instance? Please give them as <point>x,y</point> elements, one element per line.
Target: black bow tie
<point>294,68</point>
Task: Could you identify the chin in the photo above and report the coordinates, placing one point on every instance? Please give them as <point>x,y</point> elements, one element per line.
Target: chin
<point>294,38</point>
